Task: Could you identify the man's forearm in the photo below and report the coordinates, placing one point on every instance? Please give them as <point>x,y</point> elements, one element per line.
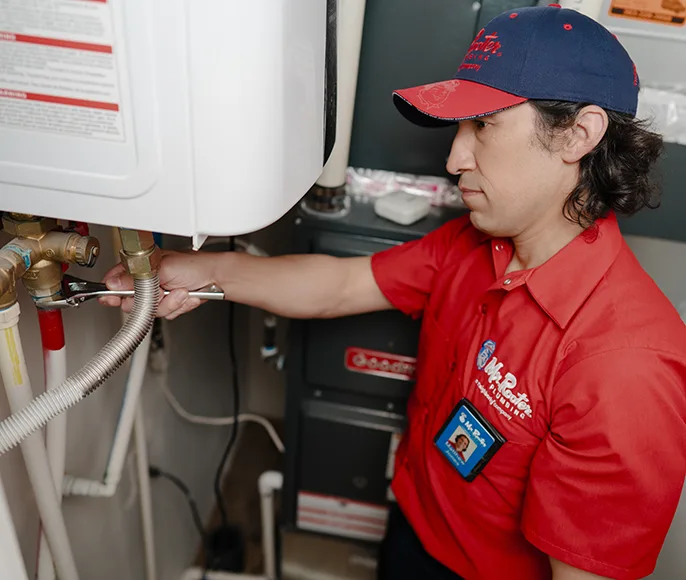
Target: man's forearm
<point>301,286</point>
<point>562,571</point>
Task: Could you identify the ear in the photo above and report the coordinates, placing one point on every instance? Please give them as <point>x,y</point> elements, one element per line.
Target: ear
<point>586,132</point>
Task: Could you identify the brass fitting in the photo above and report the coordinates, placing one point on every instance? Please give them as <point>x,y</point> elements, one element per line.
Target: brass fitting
<point>15,259</point>
<point>27,226</point>
<point>36,255</point>
<point>8,299</point>
<point>70,248</point>
<point>8,283</point>
<point>43,279</point>
<point>139,254</point>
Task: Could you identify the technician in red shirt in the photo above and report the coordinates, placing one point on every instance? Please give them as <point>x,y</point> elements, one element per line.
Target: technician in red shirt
<point>543,341</point>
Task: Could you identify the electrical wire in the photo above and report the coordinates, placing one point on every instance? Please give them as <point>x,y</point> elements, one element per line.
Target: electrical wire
<point>197,520</point>
<point>220,421</point>
<point>236,404</point>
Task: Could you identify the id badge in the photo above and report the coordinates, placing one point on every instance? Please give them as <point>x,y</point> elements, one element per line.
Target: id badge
<point>467,440</point>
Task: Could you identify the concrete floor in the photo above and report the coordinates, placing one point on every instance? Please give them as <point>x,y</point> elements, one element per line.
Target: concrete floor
<point>305,556</point>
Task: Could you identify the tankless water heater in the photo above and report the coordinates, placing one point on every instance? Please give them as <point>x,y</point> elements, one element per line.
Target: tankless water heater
<point>186,117</point>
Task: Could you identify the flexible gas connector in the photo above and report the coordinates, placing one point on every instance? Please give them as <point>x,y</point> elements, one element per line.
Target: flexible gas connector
<point>35,416</point>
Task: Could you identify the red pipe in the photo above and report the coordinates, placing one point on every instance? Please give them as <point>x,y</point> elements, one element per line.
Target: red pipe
<point>51,329</point>
<point>52,338</point>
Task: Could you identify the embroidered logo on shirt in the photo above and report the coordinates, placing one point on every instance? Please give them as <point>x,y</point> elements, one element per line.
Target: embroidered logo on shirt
<point>500,385</point>
<point>486,352</point>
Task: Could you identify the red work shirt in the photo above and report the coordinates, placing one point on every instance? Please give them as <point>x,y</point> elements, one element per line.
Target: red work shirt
<point>585,378</point>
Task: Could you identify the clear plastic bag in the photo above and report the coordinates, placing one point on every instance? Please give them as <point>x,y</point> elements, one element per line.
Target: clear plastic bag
<point>374,183</point>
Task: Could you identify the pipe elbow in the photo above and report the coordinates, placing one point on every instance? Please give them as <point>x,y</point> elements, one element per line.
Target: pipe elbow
<point>269,482</point>
<point>73,486</point>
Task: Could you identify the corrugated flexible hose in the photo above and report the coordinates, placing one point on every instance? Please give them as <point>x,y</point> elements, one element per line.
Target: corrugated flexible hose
<point>45,407</point>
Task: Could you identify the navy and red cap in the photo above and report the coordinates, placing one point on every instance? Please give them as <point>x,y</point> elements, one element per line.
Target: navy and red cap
<point>541,52</point>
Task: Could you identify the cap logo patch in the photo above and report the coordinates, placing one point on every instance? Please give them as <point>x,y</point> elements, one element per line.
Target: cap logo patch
<point>483,47</point>
<point>434,96</point>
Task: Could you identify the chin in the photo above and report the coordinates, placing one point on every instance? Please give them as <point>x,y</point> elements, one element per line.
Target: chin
<point>479,222</point>
<point>483,224</point>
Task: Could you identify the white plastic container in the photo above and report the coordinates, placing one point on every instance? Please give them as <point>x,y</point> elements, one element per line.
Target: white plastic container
<point>195,118</point>
<point>402,208</point>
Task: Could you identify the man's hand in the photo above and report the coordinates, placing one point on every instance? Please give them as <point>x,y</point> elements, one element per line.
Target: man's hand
<point>180,272</point>
<point>562,571</point>
<point>296,286</point>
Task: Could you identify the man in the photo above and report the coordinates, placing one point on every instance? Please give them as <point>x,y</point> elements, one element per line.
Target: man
<point>541,337</point>
<point>460,444</point>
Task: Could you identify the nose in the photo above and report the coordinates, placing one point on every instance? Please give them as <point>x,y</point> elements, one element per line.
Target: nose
<point>461,156</point>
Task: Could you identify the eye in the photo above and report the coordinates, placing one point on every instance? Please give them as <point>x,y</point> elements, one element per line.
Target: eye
<point>480,123</point>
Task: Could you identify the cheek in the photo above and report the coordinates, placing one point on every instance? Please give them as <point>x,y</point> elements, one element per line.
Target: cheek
<point>516,173</point>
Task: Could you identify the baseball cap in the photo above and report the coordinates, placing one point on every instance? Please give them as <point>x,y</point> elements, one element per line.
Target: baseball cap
<point>534,52</point>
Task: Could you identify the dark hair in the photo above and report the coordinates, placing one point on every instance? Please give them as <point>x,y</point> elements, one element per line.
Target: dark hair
<point>616,174</point>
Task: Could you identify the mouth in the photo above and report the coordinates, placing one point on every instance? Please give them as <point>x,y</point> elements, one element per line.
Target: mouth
<point>467,192</point>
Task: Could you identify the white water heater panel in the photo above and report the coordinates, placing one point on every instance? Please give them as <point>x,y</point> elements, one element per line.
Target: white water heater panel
<point>186,117</point>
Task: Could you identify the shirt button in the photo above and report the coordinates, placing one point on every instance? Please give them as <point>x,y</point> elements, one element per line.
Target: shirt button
<point>508,281</point>
<point>499,247</point>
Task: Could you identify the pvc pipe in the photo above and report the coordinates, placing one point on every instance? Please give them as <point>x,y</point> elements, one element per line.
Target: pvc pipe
<point>145,496</point>
<point>11,560</point>
<point>267,484</point>
<point>130,419</point>
<point>142,464</point>
<point>55,367</point>
<point>115,465</point>
<point>219,421</point>
<point>349,39</point>
<point>20,395</point>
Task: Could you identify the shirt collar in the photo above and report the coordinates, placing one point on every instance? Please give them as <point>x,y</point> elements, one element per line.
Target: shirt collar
<point>563,283</point>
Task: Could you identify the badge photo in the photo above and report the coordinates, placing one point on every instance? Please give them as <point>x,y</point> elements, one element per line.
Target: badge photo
<point>467,440</point>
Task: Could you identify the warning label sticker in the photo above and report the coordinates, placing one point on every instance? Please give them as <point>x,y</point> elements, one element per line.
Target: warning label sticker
<point>670,12</point>
<point>341,517</point>
<point>58,71</point>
